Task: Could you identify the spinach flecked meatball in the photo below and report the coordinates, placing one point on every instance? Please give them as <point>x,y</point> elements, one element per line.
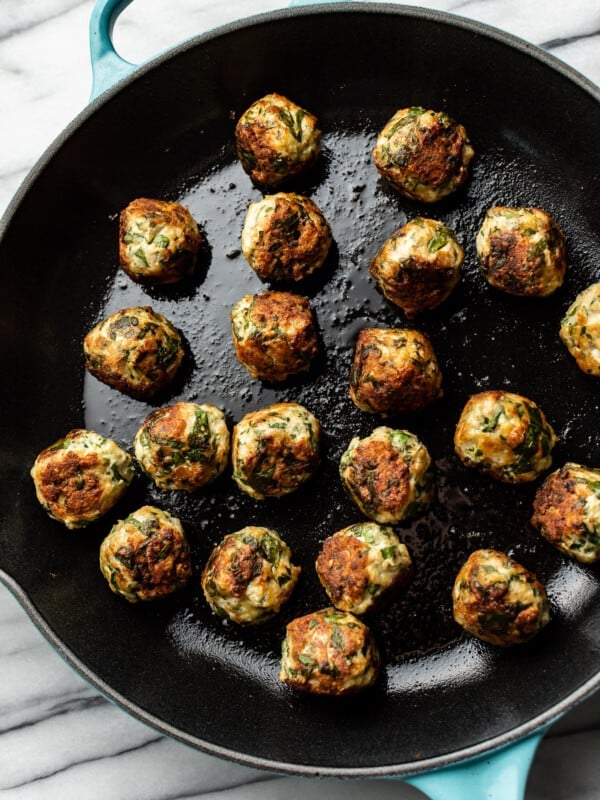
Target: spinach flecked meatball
<point>363,567</point>
<point>521,251</point>
<point>158,241</point>
<point>499,601</point>
<point>274,335</point>
<point>275,450</point>
<point>418,266</point>
<point>285,237</point>
<point>276,140</point>
<point>183,446</point>
<point>387,474</point>
<point>81,477</point>
<point>146,556</point>
<point>394,371</point>
<point>423,154</point>
<point>580,330</point>
<point>566,511</point>
<point>329,652</point>
<point>504,435</point>
<point>135,350</point>
<point>249,576</point>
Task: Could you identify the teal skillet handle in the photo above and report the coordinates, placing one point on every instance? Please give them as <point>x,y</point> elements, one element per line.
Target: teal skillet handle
<point>107,66</point>
<point>503,774</point>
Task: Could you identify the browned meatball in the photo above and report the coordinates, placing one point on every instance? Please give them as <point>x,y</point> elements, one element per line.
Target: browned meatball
<point>146,556</point>
<point>276,140</point>
<point>363,567</point>
<point>499,601</point>
<point>418,266</point>
<point>567,511</point>
<point>274,334</point>
<point>81,477</point>
<point>135,350</point>
<point>285,237</point>
<point>329,652</point>
<point>522,251</point>
<point>394,371</point>
<point>158,241</point>
<point>424,154</point>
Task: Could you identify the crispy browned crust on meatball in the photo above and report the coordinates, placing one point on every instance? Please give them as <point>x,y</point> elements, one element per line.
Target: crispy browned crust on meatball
<point>511,265</point>
<point>398,386</point>
<point>420,286</point>
<point>264,163</point>
<point>152,360</point>
<point>342,567</point>
<point>72,479</point>
<point>483,606</point>
<point>235,563</point>
<point>335,651</point>
<point>379,475</point>
<point>160,213</point>
<point>281,338</point>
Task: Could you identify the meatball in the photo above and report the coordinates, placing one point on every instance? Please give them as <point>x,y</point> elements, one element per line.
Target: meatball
<point>521,251</point>
<point>423,154</point>
<point>566,510</point>
<point>183,446</point>
<point>363,567</point>
<point>158,241</point>
<point>285,237</point>
<point>135,350</point>
<point>394,371</point>
<point>274,334</point>
<point>81,477</point>
<point>275,450</point>
<point>329,652</point>
<point>505,436</point>
<point>387,474</point>
<point>580,330</point>
<point>498,600</point>
<point>276,140</point>
<point>418,266</point>
<point>249,576</point>
<point>146,556</point>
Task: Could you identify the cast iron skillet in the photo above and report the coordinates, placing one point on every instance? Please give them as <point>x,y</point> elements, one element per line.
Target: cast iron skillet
<point>167,132</point>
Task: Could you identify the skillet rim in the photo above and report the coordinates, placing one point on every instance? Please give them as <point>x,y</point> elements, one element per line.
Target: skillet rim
<point>407,768</point>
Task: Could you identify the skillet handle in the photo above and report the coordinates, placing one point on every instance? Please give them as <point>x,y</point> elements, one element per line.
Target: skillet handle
<point>500,776</point>
<point>107,65</point>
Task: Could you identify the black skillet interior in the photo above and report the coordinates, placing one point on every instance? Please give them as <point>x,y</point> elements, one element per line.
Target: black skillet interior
<point>169,133</point>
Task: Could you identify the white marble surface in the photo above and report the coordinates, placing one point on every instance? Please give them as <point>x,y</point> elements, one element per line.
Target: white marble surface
<point>58,737</point>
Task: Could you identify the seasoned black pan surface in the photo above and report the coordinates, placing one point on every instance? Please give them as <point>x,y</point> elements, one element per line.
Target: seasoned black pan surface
<point>169,133</point>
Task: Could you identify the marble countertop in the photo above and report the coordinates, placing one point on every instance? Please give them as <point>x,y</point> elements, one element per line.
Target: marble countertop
<point>58,737</point>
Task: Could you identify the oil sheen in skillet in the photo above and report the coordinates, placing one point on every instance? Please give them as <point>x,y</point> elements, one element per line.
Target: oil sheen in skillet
<point>483,340</point>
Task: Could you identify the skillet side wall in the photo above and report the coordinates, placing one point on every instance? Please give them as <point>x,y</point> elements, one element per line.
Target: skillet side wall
<point>163,134</point>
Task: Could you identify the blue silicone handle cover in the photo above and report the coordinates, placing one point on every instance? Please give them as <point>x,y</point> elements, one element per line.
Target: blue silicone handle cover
<point>501,775</point>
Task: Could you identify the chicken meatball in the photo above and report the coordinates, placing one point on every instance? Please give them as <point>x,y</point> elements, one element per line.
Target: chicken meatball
<point>285,237</point>
<point>275,450</point>
<point>249,576</point>
<point>183,446</point>
<point>394,371</point>
<point>499,601</point>
<point>135,350</point>
<point>580,330</point>
<point>521,251</point>
<point>274,334</point>
<point>81,477</point>
<point>146,556</point>
<point>387,474</point>
<point>418,266</point>
<point>363,567</point>
<point>566,510</point>
<point>423,154</point>
<point>329,652</point>
<point>505,436</point>
<point>158,241</point>
<point>276,140</point>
